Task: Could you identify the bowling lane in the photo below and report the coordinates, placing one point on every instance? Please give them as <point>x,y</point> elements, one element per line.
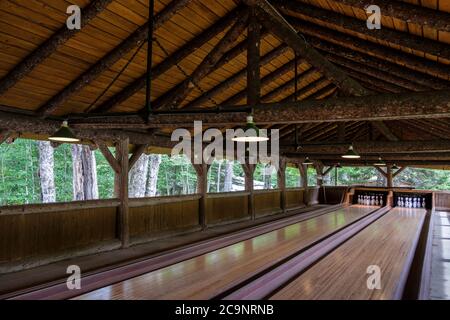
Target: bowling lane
<point>387,243</point>
<point>208,275</point>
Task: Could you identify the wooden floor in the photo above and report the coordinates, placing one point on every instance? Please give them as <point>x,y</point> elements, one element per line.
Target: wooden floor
<point>387,243</point>
<point>440,257</point>
<point>209,275</point>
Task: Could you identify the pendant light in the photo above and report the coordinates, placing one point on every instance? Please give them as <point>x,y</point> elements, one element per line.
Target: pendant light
<point>307,162</point>
<point>380,163</point>
<point>351,154</point>
<point>255,137</point>
<point>394,167</point>
<point>64,134</point>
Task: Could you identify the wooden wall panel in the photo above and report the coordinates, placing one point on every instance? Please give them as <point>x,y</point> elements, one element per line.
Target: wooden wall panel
<point>332,194</point>
<point>442,201</point>
<point>226,207</point>
<point>160,217</point>
<point>267,202</point>
<point>52,233</point>
<point>294,198</point>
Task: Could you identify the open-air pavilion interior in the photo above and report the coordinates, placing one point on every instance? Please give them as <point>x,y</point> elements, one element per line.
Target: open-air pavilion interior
<point>325,86</point>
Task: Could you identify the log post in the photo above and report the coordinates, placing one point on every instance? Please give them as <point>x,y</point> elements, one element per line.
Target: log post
<point>249,170</point>
<point>202,190</point>
<point>124,223</point>
<point>389,176</point>
<point>281,175</point>
<point>303,168</point>
<point>319,171</point>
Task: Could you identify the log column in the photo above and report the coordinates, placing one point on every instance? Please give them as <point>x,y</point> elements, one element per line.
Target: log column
<point>319,171</point>
<point>389,178</point>
<point>202,190</point>
<point>249,170</point>
<point>303,168</point>
<point>120,165</point>
<point>281,175</point>
<point>124,219</point>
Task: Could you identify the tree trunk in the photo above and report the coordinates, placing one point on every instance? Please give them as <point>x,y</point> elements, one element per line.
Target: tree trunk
<point>85,186</point>
<point>154,161</point>
<point>138,178</point>
<point>90,185</point>
<point>46,174</point>
<point>219,168</point>
<point>228,182</point>
<point>77,167</point>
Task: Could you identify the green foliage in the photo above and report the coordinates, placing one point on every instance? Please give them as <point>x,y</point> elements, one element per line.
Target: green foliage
<point>19,177</point>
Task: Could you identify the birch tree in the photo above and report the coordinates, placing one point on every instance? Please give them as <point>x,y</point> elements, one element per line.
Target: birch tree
<point>154,161</point>
<point>138,177</point>
<point>46,174</point>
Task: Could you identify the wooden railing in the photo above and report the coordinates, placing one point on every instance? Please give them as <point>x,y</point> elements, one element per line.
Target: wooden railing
<point>37,234</point>
<point>294,198</point>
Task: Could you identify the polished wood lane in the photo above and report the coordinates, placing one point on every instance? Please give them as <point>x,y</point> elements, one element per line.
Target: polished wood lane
<point>387,243</point>
<point>208,275</point>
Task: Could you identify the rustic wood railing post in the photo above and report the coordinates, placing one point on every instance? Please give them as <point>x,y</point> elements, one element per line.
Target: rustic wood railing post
<point>389,176</point>
<point>281,175</point>
<point>124,219</point>
<point>303,168</point>
<point>249,170</point>
<point>202,190</point>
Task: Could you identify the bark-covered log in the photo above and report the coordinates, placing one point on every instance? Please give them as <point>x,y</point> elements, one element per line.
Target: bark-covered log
<point>174,97</point>
<point>384,34</point>
<point>272,20</point>
<point>46,174</point>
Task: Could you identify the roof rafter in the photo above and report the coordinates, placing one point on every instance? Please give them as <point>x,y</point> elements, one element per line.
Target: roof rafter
<point>110,59</point>
<point>49,46</point>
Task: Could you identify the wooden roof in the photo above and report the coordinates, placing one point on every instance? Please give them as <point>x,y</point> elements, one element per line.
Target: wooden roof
<point>103,66</point>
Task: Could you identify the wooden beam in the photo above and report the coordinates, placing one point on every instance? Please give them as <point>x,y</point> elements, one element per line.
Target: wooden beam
<point>400,10</point>
<point>137,153</point>
<point>273,94</point>
<point>273,21</point>
<point>228,83</point>
<point>110,58</point>
<point>383,173</point>
<point>113,162</point>
<point>409,61</point>
<point>396,173</point>
<point>202,186</point>
<point>372,147</point>
<point>327,171</point>
<point>281,177</point>
<point>49,46</point>
<point>124,219</point>
<point>336,20</point>
<point>253,59</point>
<point>421,80</point>
<point>4,134</point>
<point>389,179</point>
<point>385,131</point>
<point>174,97</point>
<point>303,169</point>
<point>249,171</point>
<point>170,61</point>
